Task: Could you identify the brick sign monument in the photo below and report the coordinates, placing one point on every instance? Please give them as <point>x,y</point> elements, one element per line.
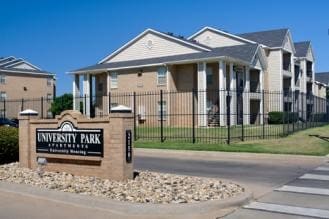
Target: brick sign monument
<point>73,143</point>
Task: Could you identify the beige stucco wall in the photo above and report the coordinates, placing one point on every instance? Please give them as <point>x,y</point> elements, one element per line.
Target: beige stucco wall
<point>150,46</point>
<point>212,39</point>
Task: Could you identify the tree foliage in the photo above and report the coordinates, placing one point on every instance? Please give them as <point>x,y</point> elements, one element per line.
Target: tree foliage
<point>61,103</point>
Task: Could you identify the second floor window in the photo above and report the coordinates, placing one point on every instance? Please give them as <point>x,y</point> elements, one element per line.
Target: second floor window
<point>2,78</point>
<point>162,76</point>
<point>48,81</point>
<point>49,97</point>
<point>3,95</point>
<point>114,80</point>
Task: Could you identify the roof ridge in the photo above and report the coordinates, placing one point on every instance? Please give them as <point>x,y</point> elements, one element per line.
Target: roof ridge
<point>261,31</point>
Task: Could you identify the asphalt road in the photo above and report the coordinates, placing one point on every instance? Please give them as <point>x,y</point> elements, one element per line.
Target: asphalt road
<point>261,173</point>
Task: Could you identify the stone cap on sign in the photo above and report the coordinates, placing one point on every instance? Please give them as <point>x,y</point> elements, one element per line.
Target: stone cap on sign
<point>121,109</point>
<point>28,112</point>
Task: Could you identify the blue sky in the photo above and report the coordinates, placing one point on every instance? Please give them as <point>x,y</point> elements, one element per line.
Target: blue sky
<point>62,35</point>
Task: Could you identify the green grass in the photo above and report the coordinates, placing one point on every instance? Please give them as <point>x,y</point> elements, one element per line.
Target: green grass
<point>298,143</point>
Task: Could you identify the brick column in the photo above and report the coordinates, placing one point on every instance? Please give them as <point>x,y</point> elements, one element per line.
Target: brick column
<point>24,133</point>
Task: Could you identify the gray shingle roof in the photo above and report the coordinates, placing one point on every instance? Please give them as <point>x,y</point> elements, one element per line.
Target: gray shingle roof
<point>243,53</point>
<point>302,48</point>
<point>322,77</point>
<point>270,38</point>
<point>8,65</point>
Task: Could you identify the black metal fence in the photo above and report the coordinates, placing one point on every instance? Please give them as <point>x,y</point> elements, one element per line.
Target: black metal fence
<point>211,116</point>
<point>216,116</point>
<point>10,108</point>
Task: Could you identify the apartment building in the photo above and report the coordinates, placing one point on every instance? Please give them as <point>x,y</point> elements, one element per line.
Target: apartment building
<point>22,85</point>
<point>208,59</point>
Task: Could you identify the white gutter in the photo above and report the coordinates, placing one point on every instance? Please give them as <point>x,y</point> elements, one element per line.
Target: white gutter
<point>102,70</point>
<point>26,72</point>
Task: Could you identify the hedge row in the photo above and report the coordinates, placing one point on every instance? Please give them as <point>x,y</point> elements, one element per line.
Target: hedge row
<point>8,145</point>
<point>282,117</point>
<point>277,117</point>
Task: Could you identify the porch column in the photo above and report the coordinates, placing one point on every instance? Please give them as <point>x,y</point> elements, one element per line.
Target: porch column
<point>86,94</point>
<point>233,95</point>
<point>76,92</point>
<point>261,86</point>
<point>246,97</point>
<point>222,93</point>
<point>202,94</point>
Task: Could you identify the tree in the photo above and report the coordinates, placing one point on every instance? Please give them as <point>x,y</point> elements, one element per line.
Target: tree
<point>61,103</point>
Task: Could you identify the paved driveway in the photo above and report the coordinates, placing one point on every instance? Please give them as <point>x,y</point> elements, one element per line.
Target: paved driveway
<point>261,172</point>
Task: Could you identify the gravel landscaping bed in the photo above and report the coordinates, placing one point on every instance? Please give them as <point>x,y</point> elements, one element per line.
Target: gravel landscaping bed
<point>147,187</point>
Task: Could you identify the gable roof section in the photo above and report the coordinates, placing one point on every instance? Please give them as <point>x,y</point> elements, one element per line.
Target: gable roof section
<point>270,38</point>
<point>244,53</point>
<point>302,48</point>
<point>181,41</point>
<point>13,65</point>
<point>220,32</point>
<point>322,77</point>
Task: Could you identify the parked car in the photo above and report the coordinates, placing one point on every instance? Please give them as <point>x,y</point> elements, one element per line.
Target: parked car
<point>8,123</point>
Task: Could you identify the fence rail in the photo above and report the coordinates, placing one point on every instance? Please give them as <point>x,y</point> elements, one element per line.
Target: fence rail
<point>210,116</point>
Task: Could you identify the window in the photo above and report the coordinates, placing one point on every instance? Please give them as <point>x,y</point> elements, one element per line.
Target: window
<point>48,81</point>
<point>3,95</point>
<point>2,79</point>
<point>164,108</point>
<point>162,76</point>
<point>114,80</point>
<point>49,97</point>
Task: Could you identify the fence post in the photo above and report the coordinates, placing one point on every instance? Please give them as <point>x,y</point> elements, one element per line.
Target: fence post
<point>109,106</point>
<point>283,114</point>
<point>293,111</point>
<point>263,97</point>
<point>135,129</point>
<point>22,106</point>
<point>41,107</point>
<point>85,104</point>
<point>194,93</point>
<point>228,116</point>
<point>161,115</point>
<point>242,95</point>
<point>4,108</point>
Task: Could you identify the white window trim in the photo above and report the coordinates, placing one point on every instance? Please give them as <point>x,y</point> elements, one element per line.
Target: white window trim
<point>2,76</point>
<point>49,80</point>
<point>3,95</point>
<point>164,77</point>
<point>114,82</point>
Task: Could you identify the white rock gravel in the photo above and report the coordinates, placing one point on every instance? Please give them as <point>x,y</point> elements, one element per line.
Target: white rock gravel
<point>148,187</point>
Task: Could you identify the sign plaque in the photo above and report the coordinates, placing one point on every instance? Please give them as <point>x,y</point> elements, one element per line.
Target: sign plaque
<point>70,140</point>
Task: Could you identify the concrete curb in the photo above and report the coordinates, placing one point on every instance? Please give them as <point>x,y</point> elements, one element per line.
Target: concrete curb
<point>215,155</point>
<point>208,209</point>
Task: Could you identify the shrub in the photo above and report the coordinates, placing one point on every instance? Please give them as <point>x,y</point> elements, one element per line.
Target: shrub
<point>319,117</point>
<point>8,144</point>
<point>277,117</point>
